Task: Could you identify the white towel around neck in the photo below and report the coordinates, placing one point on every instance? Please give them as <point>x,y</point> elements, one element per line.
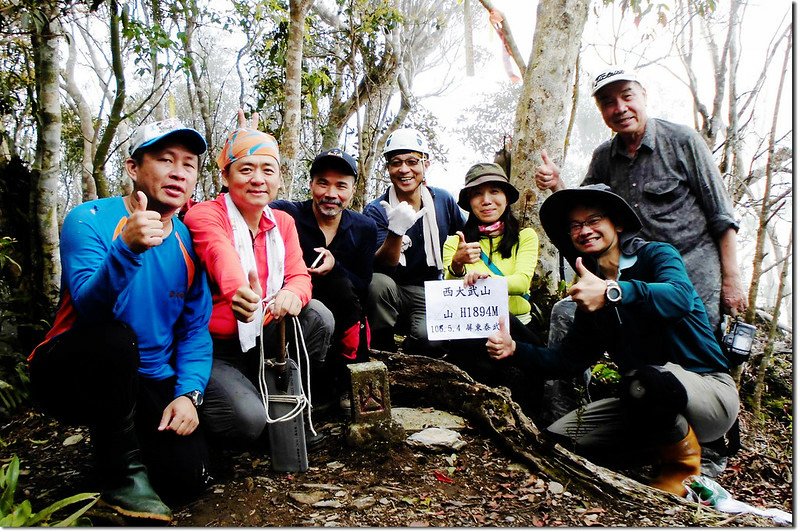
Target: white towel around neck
<point>430,229</point>
<point>276,253</point>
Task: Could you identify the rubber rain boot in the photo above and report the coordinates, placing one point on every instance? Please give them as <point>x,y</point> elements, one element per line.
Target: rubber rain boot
<point>125,485</point>
<point>679,461</point>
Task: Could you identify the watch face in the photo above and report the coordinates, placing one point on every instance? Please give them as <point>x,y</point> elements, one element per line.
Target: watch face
<point>196,397</point>
<point>613,293</point>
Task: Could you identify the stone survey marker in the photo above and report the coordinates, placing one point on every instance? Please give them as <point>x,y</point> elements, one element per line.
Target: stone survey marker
<point>371,409</point>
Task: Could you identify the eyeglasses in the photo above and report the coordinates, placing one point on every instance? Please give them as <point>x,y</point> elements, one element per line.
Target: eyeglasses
<point>591,222</point>
<point>398,163</point>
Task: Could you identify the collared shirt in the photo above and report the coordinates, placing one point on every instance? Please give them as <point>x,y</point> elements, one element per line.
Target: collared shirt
<point>660,319</point>
<point>672,183</point>
<point>353,246</point>
<point>416,271</point>
<point>674,186</point>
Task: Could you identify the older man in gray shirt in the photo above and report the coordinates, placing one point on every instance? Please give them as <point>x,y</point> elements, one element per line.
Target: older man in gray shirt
<point>667,174</point>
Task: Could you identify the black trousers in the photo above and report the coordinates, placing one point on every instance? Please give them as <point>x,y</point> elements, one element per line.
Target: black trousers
<point>89,376</point>
<point>471,356</point>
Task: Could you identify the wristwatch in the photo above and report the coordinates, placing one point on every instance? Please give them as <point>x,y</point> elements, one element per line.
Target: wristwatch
<point>613,292</point>
<point>195,397</point>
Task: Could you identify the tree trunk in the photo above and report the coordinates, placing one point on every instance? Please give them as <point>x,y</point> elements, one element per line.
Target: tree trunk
<point>543,111</point>
<point>469,52</point>
<point>46,44</point>
<point>190,16</point>
<point>115,114</point>
<point>290,131</point>
<point>88,187</point>
<point>419,381</point>
<point>769,345</point>
<point>764,214</point>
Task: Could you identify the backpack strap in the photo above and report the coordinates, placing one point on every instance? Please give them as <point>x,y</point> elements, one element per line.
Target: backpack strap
<point>495,270</point>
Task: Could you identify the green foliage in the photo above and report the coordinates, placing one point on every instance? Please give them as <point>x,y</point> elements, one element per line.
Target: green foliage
<point>21,514</point>
<point>14,390</point>
<point>606,373</point>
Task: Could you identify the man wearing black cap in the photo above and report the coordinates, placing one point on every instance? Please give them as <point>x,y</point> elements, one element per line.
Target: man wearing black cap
<point>129,353</point>
<point>338,247</point>
<point>636,303</point>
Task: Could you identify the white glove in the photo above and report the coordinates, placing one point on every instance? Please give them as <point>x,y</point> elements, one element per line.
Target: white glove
<point>402,217</point>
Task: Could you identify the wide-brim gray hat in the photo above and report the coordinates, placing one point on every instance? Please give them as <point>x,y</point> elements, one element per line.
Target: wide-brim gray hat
<point>555,211</point>
<point>482,173</point>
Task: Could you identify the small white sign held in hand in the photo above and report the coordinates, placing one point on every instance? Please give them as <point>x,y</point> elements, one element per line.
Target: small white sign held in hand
<point>455,311</point>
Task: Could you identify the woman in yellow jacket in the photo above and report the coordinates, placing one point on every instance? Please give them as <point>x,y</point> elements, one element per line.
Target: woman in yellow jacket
<point>492,244</point>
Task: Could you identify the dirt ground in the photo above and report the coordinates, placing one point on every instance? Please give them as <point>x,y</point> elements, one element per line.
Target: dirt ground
<point>400,487</point>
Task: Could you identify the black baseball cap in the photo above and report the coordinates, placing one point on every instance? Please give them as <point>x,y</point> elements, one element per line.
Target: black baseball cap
<point>335,159</point>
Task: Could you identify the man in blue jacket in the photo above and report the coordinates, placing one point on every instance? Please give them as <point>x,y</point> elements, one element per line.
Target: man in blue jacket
<point>129,353</point>
<point>413,222</point>
<point>636,303</point>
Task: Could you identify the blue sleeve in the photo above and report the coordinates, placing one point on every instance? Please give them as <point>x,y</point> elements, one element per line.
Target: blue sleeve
<point>193,349</point>
<point>670,294</point>
<point>96,269</point>
<point>376,211</point>
<point>457,218</point>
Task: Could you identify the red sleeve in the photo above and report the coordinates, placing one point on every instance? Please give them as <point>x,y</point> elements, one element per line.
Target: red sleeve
<point>212,236</point>
<point>296,278</point>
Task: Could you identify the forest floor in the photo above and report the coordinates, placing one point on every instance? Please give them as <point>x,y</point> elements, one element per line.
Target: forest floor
<point>477,485</point>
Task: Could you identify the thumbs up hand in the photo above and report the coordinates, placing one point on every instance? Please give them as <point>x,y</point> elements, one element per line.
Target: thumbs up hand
<point>402,217</point>
<point>500,345</point>
<point>247,299</point>
<point>589,292</point>
<point>144,229</point>
<point>548,175</point>
<point>466,253</point>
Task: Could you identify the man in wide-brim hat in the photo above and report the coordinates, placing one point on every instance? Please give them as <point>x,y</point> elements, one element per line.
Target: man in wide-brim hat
<point>636,303</point>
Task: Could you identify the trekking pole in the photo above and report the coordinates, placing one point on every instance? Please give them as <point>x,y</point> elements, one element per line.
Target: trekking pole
<point>280,358</point>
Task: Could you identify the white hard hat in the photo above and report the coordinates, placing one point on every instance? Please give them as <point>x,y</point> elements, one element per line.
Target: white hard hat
<point>406,139</point>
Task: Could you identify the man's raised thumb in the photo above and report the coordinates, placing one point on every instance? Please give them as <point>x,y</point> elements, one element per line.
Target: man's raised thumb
<point>580,269</point>
<point>545,158</point>
<point>252,279</point>
<point>141,201</point>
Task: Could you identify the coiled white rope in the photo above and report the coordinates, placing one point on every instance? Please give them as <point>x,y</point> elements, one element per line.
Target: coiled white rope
<point>300,401</point>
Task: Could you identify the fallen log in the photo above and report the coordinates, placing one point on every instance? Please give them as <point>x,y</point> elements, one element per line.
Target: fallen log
<point>421,381</point>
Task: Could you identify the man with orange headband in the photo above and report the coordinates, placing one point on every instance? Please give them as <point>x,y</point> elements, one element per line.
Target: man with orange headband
<point>257,275</point>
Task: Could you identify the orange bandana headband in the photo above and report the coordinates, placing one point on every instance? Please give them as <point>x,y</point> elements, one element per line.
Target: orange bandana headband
<point>245,141</point>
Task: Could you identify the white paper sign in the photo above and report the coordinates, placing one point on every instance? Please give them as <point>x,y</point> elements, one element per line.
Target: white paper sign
<point>454,311</point>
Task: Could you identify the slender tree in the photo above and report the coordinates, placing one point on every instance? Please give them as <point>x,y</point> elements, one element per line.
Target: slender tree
<point>767,203</point>
<point>46,38</point>
<point>544,107</point>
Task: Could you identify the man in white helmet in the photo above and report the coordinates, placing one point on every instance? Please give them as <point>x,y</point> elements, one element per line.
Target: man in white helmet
<point>413,222</point>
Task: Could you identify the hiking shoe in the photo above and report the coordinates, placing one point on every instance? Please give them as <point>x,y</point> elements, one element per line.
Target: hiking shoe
<point>315,442</point>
